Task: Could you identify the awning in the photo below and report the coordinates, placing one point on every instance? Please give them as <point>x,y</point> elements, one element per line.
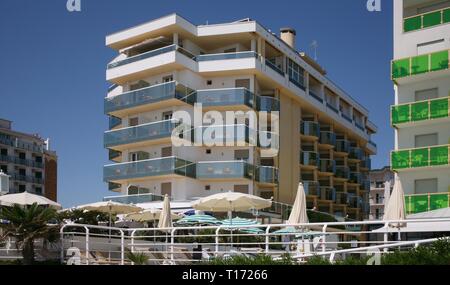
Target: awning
<point>148,42</point>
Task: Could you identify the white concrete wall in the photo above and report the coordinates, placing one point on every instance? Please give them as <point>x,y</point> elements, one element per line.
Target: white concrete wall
<point>408,178</point>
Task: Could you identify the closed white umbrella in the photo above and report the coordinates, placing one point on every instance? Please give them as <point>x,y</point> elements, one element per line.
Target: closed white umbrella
<point>395,209</point>
<point>27,199</point>
<point>299,214</point>
<point>165,218</point>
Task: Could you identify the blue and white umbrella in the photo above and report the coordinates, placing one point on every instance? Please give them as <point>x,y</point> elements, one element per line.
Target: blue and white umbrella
<point>236,223</point>
<point>198,219</point>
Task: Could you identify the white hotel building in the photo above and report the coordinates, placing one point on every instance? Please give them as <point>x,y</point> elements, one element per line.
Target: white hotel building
<point>169,64</point>
<point>420,116</point>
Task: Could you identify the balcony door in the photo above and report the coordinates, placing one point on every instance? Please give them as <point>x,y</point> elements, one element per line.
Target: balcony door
<point>166,189</point>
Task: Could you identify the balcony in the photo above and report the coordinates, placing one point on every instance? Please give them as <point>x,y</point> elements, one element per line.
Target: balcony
<point>225,97</point>
<point>235,135</point>
<point>354,201</point>
<point>267,175</point>
<point>420,64</point>
<point>342,198</point>
<point>310,129</point>
<point>426,20</point>
<point>20,161</point>
<point>114,122</point>
<point>356,178</point>
<point>312,188</point>
<point>139,134</point>
<point>134,199</point>
<point>274,67</point>
<point>342,172</point>
<point>356,153</point>
<point>315,96</point>
<point>366,163</point>
<point>309,158</point>
<point>420,157</point>
<point>327,194</point>
<point>148,168</point>
<point>327,166</point>
<point>224,170</point>
<point>415,204</point>
<point>342,146</point>
<point>327,138</point>
<point>17,143</point>
<point>365,185</point>
<point>144,97</point>
<point>27,178</point>
<point>114,187</point>
<point>420,111</point>
<point>142,56</point>
<point>226,56</point>
<point>268,104</point>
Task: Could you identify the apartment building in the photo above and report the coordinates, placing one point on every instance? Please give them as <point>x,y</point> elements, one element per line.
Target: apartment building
<point>28,162</point>
<point>381,186</point>
<point>420,116</point>
<point>169,65</point>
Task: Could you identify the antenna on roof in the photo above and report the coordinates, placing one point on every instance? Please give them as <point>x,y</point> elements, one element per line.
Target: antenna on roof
<point>315,46</point>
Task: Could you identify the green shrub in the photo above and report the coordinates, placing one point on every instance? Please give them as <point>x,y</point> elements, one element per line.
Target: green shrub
<point>261,260</point>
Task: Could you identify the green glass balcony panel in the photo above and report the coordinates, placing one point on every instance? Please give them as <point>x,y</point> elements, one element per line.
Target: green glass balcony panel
<point>439,108</point>
<point>418,204</point>
<point>446,16</point>
<point>439,156</point>
<point>412,24</point>
<point>401,68</point>
<point>439,60</point>
<point>420,64</point>
<point>401,114</point>
<point>432,19</point>
<point>420,111</point>
<point>420,157</point>
<point>439,201</point>
<point>400,159</point>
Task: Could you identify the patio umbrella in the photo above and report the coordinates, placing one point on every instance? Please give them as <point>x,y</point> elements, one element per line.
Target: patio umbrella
<point>111,208</point>
<point>198,219</point>
<point>148,215</point>
<point>395,209</point>
<point>27,199</point>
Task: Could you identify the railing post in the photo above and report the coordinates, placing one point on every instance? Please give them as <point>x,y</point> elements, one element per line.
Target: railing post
<point>61,236</point>
<point>324,239</point>
<point>122,247</point>
<point>172,242</point>
<point>217,241</point>
<point>87,245</point>
<point>386,239</point>
<point>267,239</point>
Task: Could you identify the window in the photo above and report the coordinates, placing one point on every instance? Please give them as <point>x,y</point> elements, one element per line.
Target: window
<point>426,186</point>
<point>38,175</point>
<point>167,79</point>
<point>426,140</point>
<point>242,83</point>
<point>241,189</point>
<point>4,151</point>
<point>38,190</point>
<point>208,188</point>
<point>38,159</point>
<point>4,168</point>
<point>422,95</point>
<point>133,122</point>
<point>22,188</point>
<point>137,156</point>
<point>22,172</point>
<point>296,73</point>
<point>208,151</point>
<point>166,151</point>
<point>209,82</point>
<point>135,190</point>
<point>242,154</point>
<point>22,155</point>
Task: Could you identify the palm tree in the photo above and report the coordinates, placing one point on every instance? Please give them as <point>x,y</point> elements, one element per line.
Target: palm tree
<point>27,224</point>
<point>138,258</point>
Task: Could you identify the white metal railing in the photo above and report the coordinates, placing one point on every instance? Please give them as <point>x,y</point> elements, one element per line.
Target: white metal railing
<point>189,245</point>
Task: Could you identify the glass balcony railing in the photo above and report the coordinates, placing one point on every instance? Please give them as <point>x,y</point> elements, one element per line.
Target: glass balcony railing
<point>267,175</point>
<point>366,163</point>
<point>225,135</point>
<point>148,168</point>
<point>420,111</point>
<point>114,187</point>
<point>356,153</point>
<point>227,56</point>
<point>420,64</point>
<point>342,198</point>
<point>315,96</point>
<point>274,67</point>
<point>327,194</point>
<point>224,170</point>
<point>312,188</point>
<point>27,178</point>
<point>134,199</point>
<point>143,56</point>
<point>20,161</point>
<point>426,20</point>
<point>426,202</point>
<point>356,177</point>
<point>328,138</point>
<point>268,104</point>
<point>308,158</point>
<point>148,95</point>
<point>225,97</point>
<point>139,133</point>
<point>342,146</point>
<point>420,157</point>
<point>17,143</point>
<point>327,165</point>
<point>365,185</point>
<point>342,172</point>
<point>311,129</point>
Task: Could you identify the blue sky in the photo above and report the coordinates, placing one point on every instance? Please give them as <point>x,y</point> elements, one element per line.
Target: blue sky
<point>52,66</point>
